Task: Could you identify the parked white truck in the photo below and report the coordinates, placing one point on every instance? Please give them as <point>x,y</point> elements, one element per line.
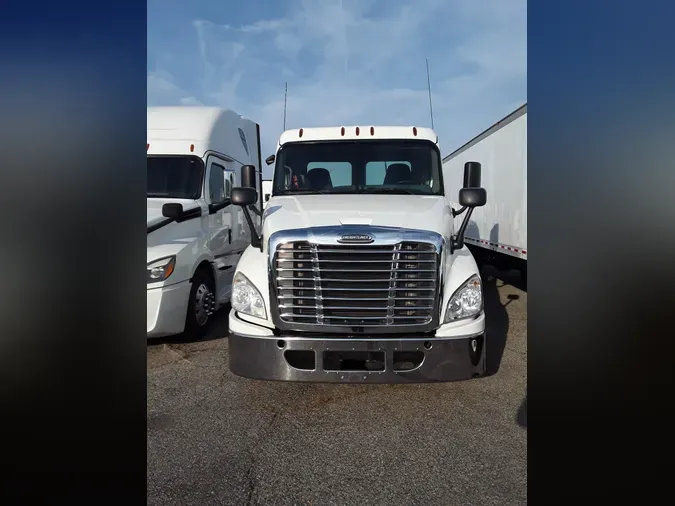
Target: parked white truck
<point>497,233</point>
<point>195,236</point>
<point>359,274</point>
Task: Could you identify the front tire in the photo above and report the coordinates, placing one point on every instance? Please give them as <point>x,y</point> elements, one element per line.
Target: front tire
<point>201,305</point>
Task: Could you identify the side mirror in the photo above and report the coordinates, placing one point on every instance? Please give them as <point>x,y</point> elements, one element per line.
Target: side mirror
<point>244,196</point>
<point>270,159</point>
<point>472,197</point>
<point>173,211</point>
<point>472,172</point>
<point>248,176</point>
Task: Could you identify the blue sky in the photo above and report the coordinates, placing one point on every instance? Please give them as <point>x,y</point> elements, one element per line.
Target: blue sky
<point>346,61</point>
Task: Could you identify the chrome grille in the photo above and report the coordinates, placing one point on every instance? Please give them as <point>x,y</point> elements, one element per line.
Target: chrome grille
<point>356,285</point>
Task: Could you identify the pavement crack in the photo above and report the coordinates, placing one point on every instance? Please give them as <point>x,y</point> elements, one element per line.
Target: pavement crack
<point>250,472</point>
<point>181,356</point>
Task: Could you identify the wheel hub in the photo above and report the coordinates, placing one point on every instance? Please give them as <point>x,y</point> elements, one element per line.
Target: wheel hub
<point>205,304</point>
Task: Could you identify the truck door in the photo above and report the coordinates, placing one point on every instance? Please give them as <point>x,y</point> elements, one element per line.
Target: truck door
<point>241,236</point>
<point>235,211</point>
<point>220,223</point>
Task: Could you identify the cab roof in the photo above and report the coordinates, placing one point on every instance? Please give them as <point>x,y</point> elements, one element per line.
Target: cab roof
<point>198,129</point>
<point>357,132</point>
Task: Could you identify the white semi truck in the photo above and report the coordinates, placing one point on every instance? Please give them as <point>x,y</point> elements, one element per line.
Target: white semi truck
<point>195,235</point>
<point>359,274</point>
<point>497,233</point>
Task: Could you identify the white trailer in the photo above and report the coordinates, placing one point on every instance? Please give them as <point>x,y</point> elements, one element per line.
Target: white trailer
<point>196,236</point>
<point>497,232</point>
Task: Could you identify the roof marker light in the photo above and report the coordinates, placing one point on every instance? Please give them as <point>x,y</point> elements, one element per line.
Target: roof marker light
<point>415,131</point>
<point>342,131</point>
<point>147,147</point>
<point>357,130</point>
<point>300,133</point>
<point>192,148</point>
<point>372,130</point>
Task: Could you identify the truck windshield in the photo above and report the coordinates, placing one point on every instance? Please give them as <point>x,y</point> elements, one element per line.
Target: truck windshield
<point>177,177</point>
<point>367,166</point>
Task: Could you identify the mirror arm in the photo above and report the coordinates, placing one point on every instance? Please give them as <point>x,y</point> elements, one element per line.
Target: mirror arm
<point>256,241</point>
<point>253,208</point>
<point>458,240</point>
<point>214,208</point>
<point>457,213</point>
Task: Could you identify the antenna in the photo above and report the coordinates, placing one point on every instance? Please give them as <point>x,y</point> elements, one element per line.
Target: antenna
<point>431,110</point>
<point>285,96</point>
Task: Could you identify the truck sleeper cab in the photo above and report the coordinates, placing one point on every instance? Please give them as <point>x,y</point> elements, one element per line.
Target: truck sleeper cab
<point>358,275</point>
<point>195,235</point>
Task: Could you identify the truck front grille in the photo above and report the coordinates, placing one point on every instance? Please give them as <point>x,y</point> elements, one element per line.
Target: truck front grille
<point>356,285</point>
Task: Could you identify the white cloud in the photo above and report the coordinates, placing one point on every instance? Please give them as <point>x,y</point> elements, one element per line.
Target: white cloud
<point>162,90</point>
<point>160,84</point>
<point>190,101</point>
<point>362,62</point>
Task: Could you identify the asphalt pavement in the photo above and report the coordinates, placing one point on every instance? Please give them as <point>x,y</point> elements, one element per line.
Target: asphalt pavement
<point>215,438</point>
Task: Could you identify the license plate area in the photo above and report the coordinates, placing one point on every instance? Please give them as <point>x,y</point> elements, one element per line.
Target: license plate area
<point>353,361</point>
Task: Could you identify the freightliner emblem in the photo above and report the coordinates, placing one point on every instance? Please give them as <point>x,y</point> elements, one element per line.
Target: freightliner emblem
<point>356,238</point>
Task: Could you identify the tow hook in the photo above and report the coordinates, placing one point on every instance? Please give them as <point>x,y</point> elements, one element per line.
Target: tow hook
<point>476,349</point>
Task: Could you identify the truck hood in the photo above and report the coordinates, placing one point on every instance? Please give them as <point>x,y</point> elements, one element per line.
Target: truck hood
<point>419,212</point>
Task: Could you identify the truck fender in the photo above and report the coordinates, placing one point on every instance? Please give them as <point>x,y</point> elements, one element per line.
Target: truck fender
<point>206,260</point>
<point>458,269</point>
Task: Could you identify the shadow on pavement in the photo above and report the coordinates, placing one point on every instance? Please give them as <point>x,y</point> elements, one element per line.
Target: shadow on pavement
<point>497,317</point>
<point>514,279</point>
<point>521,416</point>
<point>496,325</point>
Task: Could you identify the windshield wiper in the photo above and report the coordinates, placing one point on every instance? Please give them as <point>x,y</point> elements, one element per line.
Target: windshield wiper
<point>301,190</point>
<point>399,191</point>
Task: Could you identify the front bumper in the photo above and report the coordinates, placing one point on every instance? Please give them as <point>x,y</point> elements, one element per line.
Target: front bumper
<point>167,308</point>
<point>340,359</point>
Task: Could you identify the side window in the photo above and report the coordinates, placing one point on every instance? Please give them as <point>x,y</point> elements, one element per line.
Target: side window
<point>229,183</point>
<point>217,193</point>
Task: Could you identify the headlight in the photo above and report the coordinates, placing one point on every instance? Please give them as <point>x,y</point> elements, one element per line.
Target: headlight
<point>467,301</point>
<point>161,269</point>
<point>246,298</point>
